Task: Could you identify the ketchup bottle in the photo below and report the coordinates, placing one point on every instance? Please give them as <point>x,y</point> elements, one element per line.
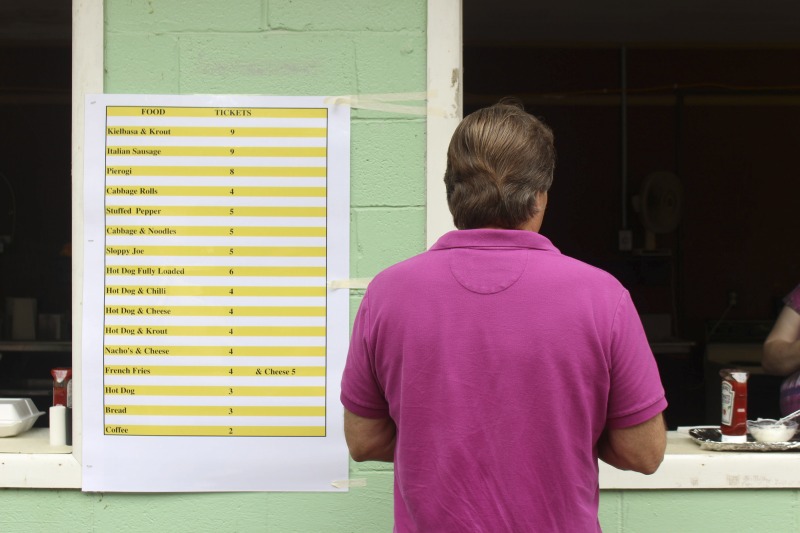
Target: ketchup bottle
<point>734,405</point>
<point>62,378</point>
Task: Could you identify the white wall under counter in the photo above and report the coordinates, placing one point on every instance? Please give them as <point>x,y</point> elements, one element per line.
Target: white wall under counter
<point>687,466</point>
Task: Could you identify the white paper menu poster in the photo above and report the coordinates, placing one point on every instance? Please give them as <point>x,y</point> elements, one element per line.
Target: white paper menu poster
<point>212,344</point>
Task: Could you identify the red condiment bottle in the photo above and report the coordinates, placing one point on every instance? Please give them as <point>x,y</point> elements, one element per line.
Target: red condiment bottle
<point>61,386</point>
<point>734,405</point>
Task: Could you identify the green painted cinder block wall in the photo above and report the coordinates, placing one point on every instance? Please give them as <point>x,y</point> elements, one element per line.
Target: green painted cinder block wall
<point>324,47</point>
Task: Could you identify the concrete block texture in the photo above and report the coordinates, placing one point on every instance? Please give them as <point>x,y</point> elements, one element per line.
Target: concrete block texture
<point>385,168</point>
<point>348,15</point>
<point>161,16</point>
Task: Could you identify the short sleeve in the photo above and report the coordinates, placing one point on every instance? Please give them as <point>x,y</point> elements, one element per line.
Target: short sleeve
<point>361,392</point>
<point>793,299</point>
<point>790,394</point>
<point>636,394</point>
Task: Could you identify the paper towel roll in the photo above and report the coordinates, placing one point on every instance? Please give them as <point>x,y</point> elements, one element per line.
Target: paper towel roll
<point>58,425</point>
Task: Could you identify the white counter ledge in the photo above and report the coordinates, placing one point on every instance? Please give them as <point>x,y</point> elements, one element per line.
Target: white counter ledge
<point>687,466</point>
<point>28,461</point>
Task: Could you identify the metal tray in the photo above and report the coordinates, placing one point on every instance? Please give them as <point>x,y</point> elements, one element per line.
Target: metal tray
<point>711,439</point>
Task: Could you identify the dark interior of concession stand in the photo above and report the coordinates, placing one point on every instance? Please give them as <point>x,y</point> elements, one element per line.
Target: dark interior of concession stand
<point>710,96</point>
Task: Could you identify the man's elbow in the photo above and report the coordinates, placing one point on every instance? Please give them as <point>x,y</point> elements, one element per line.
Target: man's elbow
<point>642,463</point>
<point>383,453</point>
<point>650,465</point>
<point>640,448</point>
<point>369,439</point>
<point>652,456</point>
<point>359,453</point>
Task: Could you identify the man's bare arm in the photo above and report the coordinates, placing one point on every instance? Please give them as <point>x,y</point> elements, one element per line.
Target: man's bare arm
<point>369,439</point>
<point>782,347</point>
<point>639,448</point>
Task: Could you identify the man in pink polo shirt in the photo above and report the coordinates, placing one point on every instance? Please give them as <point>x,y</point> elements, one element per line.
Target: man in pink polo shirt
<point>493,370</point>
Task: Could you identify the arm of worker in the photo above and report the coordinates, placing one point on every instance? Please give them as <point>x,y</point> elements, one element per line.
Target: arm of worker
<point>639,448</point>
<point>782,347</point>
<point>369,439</point>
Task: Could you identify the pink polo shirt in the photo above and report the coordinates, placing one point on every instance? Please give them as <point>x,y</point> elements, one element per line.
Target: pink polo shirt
<point>501,361</point>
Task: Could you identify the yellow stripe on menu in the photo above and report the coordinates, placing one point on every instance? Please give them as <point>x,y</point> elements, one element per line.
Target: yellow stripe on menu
<point>215,351</point>
<point>214,410</point>
<point>216,431</point>
<point>215,331</point>
<point>229,171</point>
<point>230,191</point>
<point>214,211</point>
<point>188,270</point>
<point>209,390</point>
<point>211,131</point>
<point>217,112</point>
<point>205,290</point>
<point>220,371</point>
<point>232,251</point>
<point>218,231</point>
<point>213,310</point>
<point>217,151</point>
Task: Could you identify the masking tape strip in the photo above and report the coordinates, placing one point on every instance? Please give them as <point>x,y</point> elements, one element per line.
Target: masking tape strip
<point>380,102</point>
<point>394,97</point>
<point>352,283</point>
<point>349,483</point>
